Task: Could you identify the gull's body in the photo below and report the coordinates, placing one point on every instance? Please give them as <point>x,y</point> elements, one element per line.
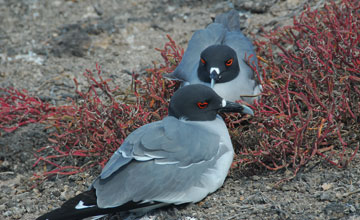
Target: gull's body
<point>170,170</point>
<point>224,36</point>
<point>180,159</point>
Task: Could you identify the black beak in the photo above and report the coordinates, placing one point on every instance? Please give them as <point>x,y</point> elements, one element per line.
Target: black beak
<point>236,107</point>
<point>214,75</point>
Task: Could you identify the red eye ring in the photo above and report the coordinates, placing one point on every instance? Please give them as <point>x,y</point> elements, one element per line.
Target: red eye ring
<point>202,61</point>
<point>202,105</point>
<point>229,62</point>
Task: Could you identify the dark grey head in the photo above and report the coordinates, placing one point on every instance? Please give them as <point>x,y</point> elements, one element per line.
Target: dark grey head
<point>201,103</point>
<point>218,62</point>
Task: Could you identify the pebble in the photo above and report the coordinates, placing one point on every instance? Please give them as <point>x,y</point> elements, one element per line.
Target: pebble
<point>325,196</point>
<point>6,190</point>
<point>286,187</point>
<point>2,207</point>
<point>7,213</point>
<point>18,210</point>
<point>63,196</point>
<point>22,196</point>
<point>29,205</point>
<point>257,6</point>
<point>352,208</point>
<point>3,200</point>
<point>36,191</point>
<point>255,177</point>
<point>5,165</point>
<point>56,193</point>
<point>268,187</point>
<point>326,186</point>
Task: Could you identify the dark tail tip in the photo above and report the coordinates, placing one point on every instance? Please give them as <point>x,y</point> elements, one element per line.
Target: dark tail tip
<point>69,211</point>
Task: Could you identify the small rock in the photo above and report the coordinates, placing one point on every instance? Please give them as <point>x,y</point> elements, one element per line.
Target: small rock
<point>22,196</point>
<point>339,195</point>
<point>36,191</point>
<point>326,186</point>
<point>2,207</point>
<point>268,187</point>
<point>335,210</point>
<point>352,208</point>
<point>63,196</point>
<point>8,213</point>
<point>286,187</point>
<point>325,196</point>
<point>5,165</point>
<point>3,200</point>
<point>56,193</point>
<point>293,3</point>
<point>256,178</point>
<point>18,211</point>
<point>352,188</point>
<point>6,189</point>
<point>256,6</point>
<point>73,40</point>
<point>29,205</point>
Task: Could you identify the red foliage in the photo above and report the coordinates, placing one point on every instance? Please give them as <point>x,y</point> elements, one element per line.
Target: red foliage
<point>155,92</point>
<point>94,127</point>
<point>91,128</point>
<point>311,98</point>
<point>18,109</point>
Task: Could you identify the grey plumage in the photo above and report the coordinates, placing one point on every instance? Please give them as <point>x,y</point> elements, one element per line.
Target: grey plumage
<point>173,163</point>
<point>224,31</point>
<point>180,159</point>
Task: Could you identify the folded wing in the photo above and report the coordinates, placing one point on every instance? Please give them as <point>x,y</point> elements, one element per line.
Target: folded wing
<point>167,161</point>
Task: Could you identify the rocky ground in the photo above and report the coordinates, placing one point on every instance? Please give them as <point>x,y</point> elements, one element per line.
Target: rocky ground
<point>45,44</point>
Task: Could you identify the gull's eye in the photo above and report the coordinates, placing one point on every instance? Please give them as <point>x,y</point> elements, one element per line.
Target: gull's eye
<point>202,105</point>
<point>202,61</point>
<point>229,62</point>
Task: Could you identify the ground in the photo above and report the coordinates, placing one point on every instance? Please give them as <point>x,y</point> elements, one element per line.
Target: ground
<point>45,44</point>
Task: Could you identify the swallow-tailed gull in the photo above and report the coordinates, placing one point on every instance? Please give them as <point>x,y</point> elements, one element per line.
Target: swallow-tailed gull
<point>219,56</point>
<point>180,159</point>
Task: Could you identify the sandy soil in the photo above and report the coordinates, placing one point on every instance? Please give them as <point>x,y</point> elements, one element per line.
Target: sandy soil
<point>45,44</point>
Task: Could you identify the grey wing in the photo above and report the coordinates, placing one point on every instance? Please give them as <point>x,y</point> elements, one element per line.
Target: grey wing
<point>175,174</point>
<point>187,69</point>
<point>124,154</point>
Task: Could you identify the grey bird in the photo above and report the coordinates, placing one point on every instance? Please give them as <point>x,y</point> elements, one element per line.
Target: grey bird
<point>180,159</point>
<point>219,56</point>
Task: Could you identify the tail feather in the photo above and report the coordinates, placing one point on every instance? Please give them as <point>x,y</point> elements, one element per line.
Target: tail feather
<point>84,206</point>
<point>231,20</point>
<point>78,207</point>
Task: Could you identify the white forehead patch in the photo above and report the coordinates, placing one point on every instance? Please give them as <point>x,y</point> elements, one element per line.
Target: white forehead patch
<point>223,103</point>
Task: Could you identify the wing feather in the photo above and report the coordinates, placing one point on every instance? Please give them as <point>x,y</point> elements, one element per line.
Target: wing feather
<point>174,171</point>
